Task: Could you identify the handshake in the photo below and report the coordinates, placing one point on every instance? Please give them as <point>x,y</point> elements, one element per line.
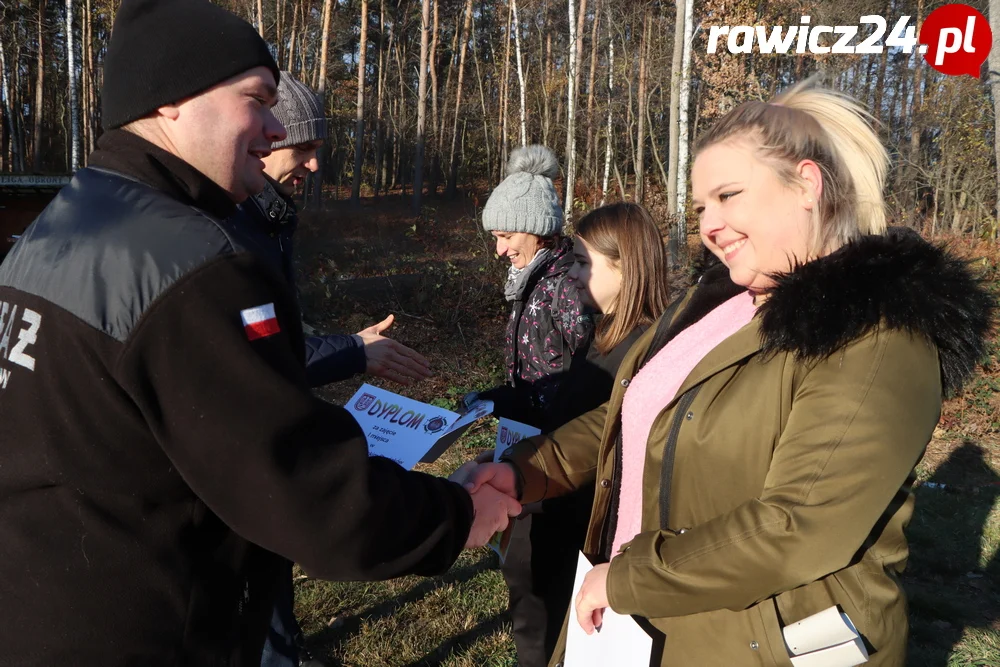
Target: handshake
<point>494,496</point>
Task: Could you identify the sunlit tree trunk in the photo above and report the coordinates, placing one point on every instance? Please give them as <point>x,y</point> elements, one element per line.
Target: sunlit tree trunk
<point>452,159</point>
<point>520,71</point>
<point>74,101</point>
<point>36,158</point>
<point>359,127</point>
<point>611,89</point>
<point>418,173</point>
<point>640,152</point>
<point>571,83</point>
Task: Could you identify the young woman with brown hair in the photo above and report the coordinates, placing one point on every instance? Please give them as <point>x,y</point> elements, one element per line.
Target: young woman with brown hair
<point>620,273</point>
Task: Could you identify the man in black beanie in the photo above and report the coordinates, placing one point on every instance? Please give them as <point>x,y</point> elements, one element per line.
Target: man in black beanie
<point>162,453</point>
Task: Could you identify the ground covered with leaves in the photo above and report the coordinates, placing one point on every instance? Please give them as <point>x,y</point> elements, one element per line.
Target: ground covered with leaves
<point>438,274</point>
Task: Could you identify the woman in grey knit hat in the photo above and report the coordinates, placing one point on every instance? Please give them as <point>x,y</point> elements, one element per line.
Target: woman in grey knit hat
<point>547,323</point>
<point>548,330</point>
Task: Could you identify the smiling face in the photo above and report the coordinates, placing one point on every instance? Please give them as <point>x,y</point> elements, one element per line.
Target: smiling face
<point>289,166</point>
<point>748,217</point>
<point>227,131</point>
<point>519,247</point>
<point>598,278</point>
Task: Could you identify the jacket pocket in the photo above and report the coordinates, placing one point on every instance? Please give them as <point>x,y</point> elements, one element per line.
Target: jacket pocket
<point>772,644</point>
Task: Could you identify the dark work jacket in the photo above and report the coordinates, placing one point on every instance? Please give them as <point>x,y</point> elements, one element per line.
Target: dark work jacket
<point>588,382</point>
<point>160,456</point>
<point>546,329</point>
<point>271,218</point>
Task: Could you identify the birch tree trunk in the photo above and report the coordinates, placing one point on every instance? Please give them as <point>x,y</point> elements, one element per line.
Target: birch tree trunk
<point>290,63</point>
<point>571,82</point>
<point>279,31</point>
<point>321,88</point>
<point>92,87</point>
<point>379,120</point>
<point>591,168</point>
<point>36,142</point>
<point>682,145</point>
<point>611,88</point>
<point>260,18</point>
<point>505,94</point>
<point>482,99</point>
<point>85,113</point>
<point>418,173</point>
<point>453,161</point>
<point>5,91</point>
<point>916,108</point>
<point>359,126</point>
<point>547,68</point>
<point>438,130</point>
<point>675,103</point>
<point>74,102</point>
<point>432,62</point>
<point>520,71</point>
<point>324,46</point>
<point>640,153</point>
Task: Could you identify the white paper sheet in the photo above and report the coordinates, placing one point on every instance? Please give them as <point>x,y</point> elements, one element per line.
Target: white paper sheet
<point>408,431</point>
<point>825,639</point>
<point>510,432</point>
<point>619,641</point>
<point>848,654</point>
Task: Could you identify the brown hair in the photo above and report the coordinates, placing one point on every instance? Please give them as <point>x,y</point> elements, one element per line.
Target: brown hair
<point>626,234</point>
<point>832,130</point>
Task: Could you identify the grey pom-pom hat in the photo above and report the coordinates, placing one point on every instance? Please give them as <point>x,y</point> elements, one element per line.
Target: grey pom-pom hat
<point>526,201</point>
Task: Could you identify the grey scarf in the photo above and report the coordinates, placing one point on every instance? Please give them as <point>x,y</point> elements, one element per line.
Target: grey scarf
<point>517,279</point>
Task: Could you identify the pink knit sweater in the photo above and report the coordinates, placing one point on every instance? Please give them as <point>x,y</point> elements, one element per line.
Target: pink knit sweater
<point>654,387</point>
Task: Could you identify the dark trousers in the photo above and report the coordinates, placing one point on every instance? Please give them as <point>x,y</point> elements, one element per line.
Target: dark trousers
<point>540,569</point>
<point>282,646</point>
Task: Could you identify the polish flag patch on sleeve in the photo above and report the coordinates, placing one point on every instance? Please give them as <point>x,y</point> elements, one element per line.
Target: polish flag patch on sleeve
<point>260,322</point>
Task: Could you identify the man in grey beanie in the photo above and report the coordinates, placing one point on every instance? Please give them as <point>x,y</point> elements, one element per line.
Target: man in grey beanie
<point>273,213</point>
<point>329,358</point>
<point>300,110</point>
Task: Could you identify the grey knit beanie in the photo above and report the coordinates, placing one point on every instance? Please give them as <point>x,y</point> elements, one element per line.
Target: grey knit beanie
<point>300,110</point>
<point>526,201</point>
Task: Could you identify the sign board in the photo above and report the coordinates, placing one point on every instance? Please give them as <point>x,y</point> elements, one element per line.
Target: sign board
<point>33,181</point>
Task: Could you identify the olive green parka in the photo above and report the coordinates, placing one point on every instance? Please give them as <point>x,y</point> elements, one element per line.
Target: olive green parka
<point>777,482</point>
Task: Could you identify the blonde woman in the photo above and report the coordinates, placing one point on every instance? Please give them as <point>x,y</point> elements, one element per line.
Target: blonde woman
<point>755,461</point>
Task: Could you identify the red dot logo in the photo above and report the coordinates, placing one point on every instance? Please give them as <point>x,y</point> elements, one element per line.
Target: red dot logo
<point>956,39</point>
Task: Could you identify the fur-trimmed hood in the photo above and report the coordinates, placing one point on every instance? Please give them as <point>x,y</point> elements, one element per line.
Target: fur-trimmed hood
<point>899,281</point>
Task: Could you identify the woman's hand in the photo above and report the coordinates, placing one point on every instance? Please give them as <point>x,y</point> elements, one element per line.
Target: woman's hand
<point>592,599</point>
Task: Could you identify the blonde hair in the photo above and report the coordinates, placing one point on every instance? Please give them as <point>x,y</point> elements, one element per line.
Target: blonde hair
<point>626,234</point>
<point>834,131</point>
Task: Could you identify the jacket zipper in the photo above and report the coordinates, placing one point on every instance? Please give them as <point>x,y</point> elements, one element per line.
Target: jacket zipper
<point>612,511</point>
<point>669,451</point>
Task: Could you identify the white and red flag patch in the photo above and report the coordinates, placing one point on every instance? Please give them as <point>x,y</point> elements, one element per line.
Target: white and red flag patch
<point>260,322</point>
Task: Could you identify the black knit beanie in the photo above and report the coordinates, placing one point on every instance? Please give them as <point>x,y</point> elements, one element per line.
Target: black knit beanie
<point>164,51</point>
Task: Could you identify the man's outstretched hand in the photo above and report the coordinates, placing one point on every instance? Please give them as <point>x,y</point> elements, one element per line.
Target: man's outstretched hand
<point>389,359</point>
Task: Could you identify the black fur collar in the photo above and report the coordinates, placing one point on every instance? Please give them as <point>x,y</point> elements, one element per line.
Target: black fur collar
<point>897,279</point>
